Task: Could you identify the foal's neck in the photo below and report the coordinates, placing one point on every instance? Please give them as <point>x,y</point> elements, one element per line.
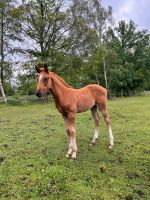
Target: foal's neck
<point>57,89</point>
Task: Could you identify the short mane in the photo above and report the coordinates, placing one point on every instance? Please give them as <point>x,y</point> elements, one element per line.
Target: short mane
<point>61,80</point>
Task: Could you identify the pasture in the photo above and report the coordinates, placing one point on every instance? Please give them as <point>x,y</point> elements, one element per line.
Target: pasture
<point>33,144</point>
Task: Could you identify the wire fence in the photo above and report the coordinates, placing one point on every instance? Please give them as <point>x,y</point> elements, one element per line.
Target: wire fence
<point>17,99</point>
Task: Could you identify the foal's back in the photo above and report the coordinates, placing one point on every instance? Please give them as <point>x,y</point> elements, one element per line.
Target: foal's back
<point>92,91</point>
<point>87,97</point>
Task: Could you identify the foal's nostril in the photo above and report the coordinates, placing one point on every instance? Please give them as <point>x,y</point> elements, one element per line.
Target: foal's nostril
<point>38,94</point>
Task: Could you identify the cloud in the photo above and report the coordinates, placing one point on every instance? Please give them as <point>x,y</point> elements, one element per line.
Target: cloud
<point>138,11</point>
<point>125,10</point>
<point>127,7</point>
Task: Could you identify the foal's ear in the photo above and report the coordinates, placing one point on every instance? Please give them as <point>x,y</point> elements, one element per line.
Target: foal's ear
<point>37,69</point>
<point>46,68</point>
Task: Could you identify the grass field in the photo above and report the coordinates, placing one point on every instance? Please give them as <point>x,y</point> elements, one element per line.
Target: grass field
<point>33,144</point>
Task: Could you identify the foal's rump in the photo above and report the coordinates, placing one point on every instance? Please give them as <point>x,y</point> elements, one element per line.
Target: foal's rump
<point>98,90</point>
<point>89,96</point>
<point>100,95</point>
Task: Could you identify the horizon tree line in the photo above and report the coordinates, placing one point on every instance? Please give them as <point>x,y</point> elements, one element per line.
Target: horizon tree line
<point>79,41</point>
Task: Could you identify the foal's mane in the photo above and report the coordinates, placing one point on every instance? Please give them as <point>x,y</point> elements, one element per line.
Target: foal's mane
<point>61,80</point>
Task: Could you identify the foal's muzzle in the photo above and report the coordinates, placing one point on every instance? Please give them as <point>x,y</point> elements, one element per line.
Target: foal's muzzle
<point>38,94</point>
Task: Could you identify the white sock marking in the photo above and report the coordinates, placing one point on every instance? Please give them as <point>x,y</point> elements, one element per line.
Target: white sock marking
<point>70,147</point>
<point>95,136</point>
<point>96,133</point>
<point>111,138</point>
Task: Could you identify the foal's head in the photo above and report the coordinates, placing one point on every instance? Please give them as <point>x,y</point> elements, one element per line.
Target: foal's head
<point>44,81</point>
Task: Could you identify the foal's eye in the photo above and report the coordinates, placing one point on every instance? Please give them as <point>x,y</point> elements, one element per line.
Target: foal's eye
<point>45,80</point>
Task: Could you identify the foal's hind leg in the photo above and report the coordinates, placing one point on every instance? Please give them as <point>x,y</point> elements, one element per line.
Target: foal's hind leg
<point>97,120</point>
<point>107,120</point>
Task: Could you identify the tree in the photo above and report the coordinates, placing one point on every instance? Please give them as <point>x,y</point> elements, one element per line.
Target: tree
<point>129,48</point>
<point>27,80</point>
<point>90,23</point>
<point>9,31</point>
<point>46,25</point>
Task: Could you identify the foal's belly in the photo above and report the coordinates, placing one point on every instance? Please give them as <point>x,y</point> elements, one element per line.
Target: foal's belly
<point>85,105</point>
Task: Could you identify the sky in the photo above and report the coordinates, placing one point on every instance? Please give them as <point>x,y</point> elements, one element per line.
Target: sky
<point>137,10</point>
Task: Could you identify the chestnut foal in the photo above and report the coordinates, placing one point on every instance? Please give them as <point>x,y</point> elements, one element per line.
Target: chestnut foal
<point>70,101</point>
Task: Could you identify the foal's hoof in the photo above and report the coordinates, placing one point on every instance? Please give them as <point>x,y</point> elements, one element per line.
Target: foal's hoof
<point>111,146</point>
<point>73,156</point>
<point>93,143</point>
<point>72,159</point>
<point>68,155</point>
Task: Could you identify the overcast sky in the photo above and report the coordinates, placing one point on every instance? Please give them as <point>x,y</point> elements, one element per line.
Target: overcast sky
<point>137,10</point>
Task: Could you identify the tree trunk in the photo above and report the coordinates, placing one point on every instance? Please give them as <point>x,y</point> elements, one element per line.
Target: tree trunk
<point>105,77</point>
<point>2,92</point>
<point>105,74</point>
<point>2,44</point>
<point>97,80</point>
<point>2,57</point>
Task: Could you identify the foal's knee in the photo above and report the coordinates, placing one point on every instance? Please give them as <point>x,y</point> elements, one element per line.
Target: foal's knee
<point>67,130</point>
<point>71,130</point>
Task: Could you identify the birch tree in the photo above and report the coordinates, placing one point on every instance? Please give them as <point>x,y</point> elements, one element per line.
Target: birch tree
<point>9,31</point>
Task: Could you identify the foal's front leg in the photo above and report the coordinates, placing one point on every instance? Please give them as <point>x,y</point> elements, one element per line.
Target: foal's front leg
<point>70,128</point>
<point>69,152</point>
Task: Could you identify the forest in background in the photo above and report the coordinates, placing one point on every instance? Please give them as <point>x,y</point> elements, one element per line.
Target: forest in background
<point>80,41</point>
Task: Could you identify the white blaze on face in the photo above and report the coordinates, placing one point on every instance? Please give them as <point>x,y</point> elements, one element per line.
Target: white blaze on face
<point>40,77</point>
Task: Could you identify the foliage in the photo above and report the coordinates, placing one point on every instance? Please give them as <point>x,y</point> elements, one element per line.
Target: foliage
<point>27,81</point>
<point>78,40</point>
<point>129,49</point>
<point>46,25</point>
<point>9,32</point>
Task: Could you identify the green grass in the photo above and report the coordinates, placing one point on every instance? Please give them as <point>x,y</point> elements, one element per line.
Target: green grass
<point>33,144</point>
